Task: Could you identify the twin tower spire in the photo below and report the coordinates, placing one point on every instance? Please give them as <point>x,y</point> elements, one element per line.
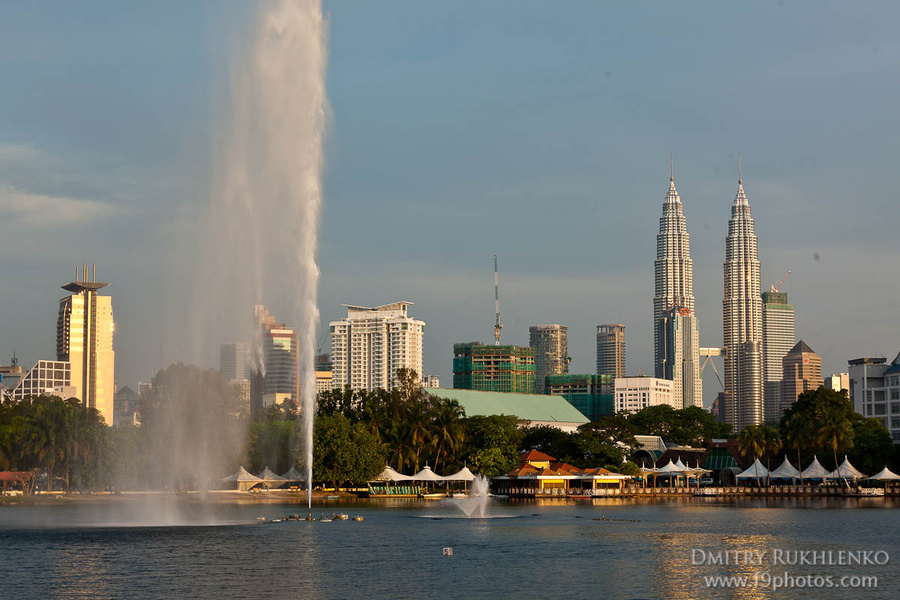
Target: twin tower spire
<point>676,341</point>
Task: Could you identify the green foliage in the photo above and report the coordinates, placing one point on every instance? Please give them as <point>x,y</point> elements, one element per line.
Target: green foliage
<point>344,451</point>
<point>688,427</point>
<point>493,443</point>
<point>873,447</point>
<point>628,468</point>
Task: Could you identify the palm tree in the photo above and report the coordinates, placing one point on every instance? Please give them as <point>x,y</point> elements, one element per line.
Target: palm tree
<point>419,419</point>
<point>799,437</point>
<point>751,441</point>
<point>835,431</point>
<point>771,443</point>
<point>449,433</point>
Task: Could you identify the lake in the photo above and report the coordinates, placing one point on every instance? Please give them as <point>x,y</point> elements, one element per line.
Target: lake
<point>620,548</point>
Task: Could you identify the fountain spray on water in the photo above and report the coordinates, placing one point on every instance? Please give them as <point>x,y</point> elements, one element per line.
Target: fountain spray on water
<point>264,221</point>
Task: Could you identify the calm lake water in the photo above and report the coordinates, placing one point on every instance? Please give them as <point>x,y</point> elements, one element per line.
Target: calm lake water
<point>542,549</point>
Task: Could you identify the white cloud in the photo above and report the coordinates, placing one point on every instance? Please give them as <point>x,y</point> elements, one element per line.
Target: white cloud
<point>45,211</point>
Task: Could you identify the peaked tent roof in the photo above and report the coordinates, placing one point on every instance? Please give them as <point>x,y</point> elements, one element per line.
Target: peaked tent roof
<point>669,469</point>
<point>389,474</point>
<point>294,474</point>
<point>242,475</point>
<point>270,475</point>
<point>785,471</point>
<point>886,475</point>
<point>463,474</point>
<point>427,474</point>
<point>847,471</point>
<point>815,470</point>
<point>757,469</point>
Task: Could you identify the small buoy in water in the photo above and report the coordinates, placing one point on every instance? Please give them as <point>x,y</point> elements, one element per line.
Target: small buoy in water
<point>448,551</point>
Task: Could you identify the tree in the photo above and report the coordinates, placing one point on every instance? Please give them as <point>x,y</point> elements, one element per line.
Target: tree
<point>752,442</point>
<point>344,451</point>
<point>798,433</point>
<point>448,433</point>
<point>492,443</point>
<point>771,444</point>
<point>836,432</point>
<point>872,445</point>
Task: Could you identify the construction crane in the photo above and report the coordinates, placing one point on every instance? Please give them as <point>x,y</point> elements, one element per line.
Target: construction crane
<point>777,287</point>
<point>497,325</point>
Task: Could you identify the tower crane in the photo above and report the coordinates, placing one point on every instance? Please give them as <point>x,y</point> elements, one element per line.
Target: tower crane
<point>777,287</point>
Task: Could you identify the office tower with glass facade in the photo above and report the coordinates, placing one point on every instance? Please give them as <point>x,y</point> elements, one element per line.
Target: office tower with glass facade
<point>778,339</point>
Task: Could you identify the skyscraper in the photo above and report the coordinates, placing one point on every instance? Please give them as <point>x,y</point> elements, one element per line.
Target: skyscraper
<point>676,344</point>
<point>371,344</point>
<point>742,314</point>
<point>276,349</point>
<point>234,361</point>
<point>802,372</point>
<point>777,341</point>
<point>84,338</point>
<point>551,352</point>
<point>611,350</point>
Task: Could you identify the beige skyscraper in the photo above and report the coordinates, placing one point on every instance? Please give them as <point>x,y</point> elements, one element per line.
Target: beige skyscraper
<point>742,312</point>
<point>802,372</point>
<point>84,337</point>
<point>611,350</point>
<point>551,352</point>
<point>778,339</point>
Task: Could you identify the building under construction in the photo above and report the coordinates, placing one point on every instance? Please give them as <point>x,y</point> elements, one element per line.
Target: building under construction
<point>592,395</point>
<point>477,366</point>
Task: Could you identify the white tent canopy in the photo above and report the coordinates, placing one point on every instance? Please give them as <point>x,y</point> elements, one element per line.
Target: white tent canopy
<point>670,469</point>
<point>847,471</point>
<point>815,470</point>
<point>785,471</point>
<point>757,469</point>
<point>427,474</point>
<point>463,474</point>
<point>885,475</point>
<point>242,475</point>
<point>270,476</point>
<point>294,474</point>
<point>389,474</point>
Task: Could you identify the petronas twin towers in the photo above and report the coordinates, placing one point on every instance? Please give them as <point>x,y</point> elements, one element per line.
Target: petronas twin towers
<point>676,342</point>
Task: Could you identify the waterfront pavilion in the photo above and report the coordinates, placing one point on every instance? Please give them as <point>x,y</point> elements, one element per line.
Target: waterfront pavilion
<point>243,480</point>
<point>755,471</point>
<point>785,471</point>
<point>815,470</point>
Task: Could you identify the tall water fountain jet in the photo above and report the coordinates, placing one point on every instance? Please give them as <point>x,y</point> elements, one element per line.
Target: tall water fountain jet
<point>475,506</point>
<point>261,242</point>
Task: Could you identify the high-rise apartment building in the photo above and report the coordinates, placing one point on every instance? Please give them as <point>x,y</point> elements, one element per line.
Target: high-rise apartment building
<point>234,361</point>
<point>509,369</point>
<point>676,344</point>
<point>802,371</point>
<point>551,352</point>
<point>636,393</point>
<point>371,344</point>
<point>777,341</point>
<point>611,350</point>
<point>742,313</point>
<point>276,347</point>
<point>875,391</point>
<point>84,338</point>
<point>592,395</point>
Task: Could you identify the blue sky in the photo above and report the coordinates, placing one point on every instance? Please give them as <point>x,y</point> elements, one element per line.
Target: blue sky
<point>537,132</point>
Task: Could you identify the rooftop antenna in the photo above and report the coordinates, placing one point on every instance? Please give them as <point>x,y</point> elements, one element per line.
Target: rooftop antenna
<point>740,171</point>
<point>14,360</point>
<point>497,325</point>
<point>671,166</point>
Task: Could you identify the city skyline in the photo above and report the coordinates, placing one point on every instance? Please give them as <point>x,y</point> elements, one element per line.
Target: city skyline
<point>473,140</point>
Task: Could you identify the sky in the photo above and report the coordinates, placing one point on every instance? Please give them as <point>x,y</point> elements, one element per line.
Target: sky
<point>538,132</point>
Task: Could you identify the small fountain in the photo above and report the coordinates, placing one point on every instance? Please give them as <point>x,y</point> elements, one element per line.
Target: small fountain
<point>475,506</point>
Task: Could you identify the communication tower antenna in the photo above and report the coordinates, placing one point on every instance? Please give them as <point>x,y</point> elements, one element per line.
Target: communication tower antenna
<point>497,325</point>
